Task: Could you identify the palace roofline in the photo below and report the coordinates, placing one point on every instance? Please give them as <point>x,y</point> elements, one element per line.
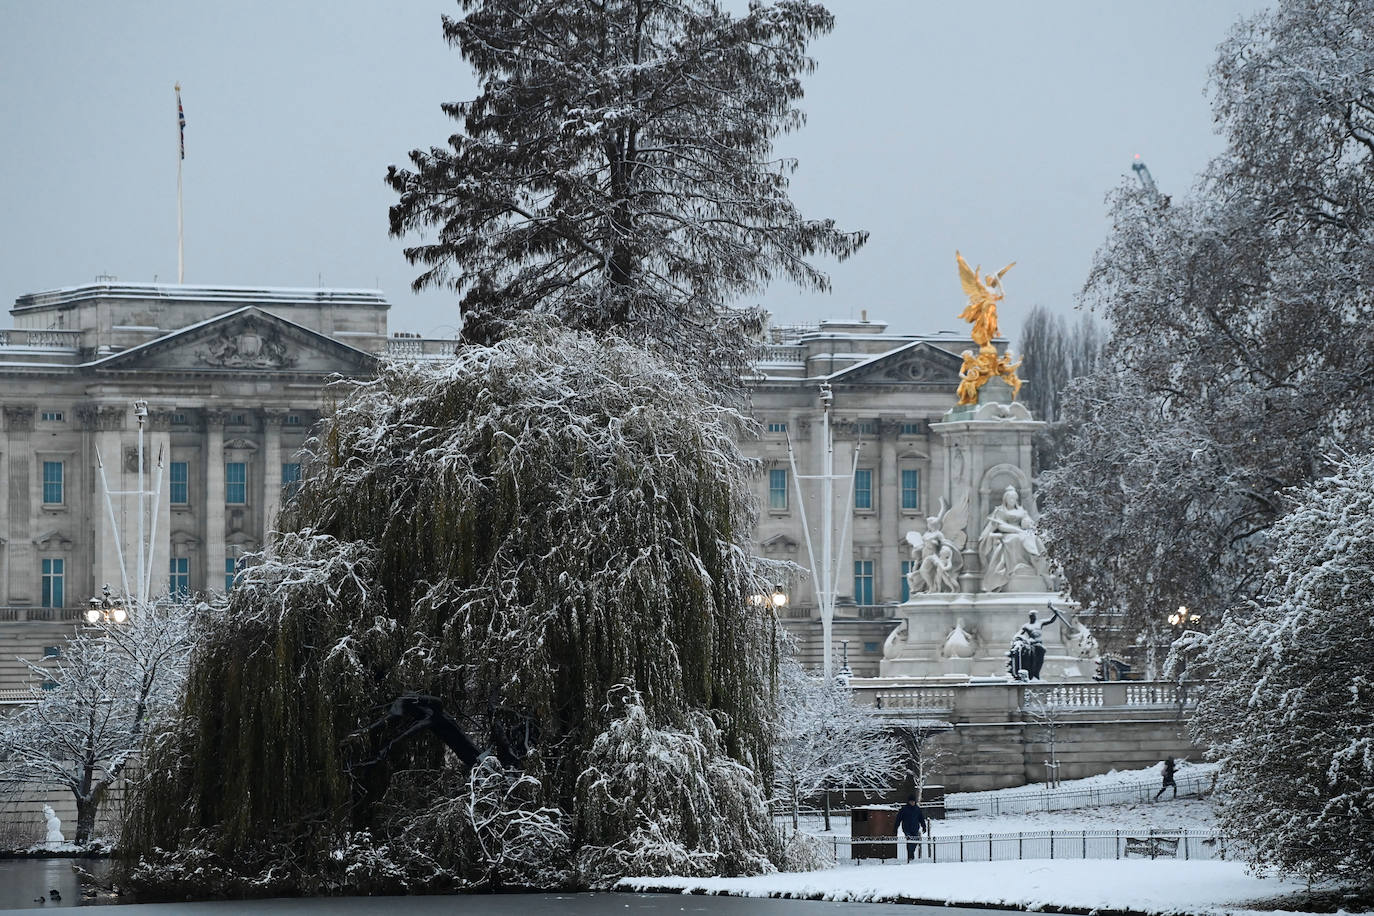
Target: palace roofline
<point>171,292</point>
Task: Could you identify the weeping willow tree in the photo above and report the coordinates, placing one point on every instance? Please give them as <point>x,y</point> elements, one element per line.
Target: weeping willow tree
<point>547,536</point>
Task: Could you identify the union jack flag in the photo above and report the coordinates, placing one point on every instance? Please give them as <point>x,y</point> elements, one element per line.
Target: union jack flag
<point>181,122</point>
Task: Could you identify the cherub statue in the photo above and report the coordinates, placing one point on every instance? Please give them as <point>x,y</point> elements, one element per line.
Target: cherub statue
<point>935,557</point>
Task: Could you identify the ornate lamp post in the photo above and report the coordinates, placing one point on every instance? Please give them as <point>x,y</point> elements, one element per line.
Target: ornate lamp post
<point>106,607</point>
<point>1182,617</point>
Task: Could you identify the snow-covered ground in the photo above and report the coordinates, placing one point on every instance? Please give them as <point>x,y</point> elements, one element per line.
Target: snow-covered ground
<point>1139,885</point>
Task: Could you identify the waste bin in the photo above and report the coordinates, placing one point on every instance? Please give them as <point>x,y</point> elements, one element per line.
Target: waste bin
<point>869,827</point>
<point>933,801</point>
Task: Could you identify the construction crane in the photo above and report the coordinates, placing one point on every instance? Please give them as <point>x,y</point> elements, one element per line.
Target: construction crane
<point>1147,180</point>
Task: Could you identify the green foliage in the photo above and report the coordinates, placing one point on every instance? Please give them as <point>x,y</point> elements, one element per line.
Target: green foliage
<point>518,532</point>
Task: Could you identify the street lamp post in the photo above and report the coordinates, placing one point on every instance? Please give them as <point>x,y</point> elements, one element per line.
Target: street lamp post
<point>106,607</point>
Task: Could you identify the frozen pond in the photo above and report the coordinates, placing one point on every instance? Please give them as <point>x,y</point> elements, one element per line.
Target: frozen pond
<point>21,880</point>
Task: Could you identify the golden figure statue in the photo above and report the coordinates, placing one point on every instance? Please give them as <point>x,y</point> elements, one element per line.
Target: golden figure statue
<point>983,296</point>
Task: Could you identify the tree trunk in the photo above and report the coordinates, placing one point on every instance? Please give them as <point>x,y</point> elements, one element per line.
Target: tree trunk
<point>85,818</point>
<point>827,810</point>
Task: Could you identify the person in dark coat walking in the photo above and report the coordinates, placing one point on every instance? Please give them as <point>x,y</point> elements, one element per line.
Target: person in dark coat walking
<point>912,820</point>
<point>1168,778</point>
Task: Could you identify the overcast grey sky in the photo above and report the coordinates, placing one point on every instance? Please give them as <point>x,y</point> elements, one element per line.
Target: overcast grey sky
<point>992,127</point>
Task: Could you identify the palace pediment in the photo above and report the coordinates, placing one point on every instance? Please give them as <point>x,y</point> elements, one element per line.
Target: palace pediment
<point>245,340</point>
<point>918,363</point>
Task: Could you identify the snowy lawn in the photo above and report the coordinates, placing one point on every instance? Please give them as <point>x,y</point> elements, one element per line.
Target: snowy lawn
<point>1138,885</point>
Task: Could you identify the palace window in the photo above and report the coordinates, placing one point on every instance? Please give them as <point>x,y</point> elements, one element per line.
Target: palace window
<point>231,567</point>
<point>863,488</point>
<point>52,485</point>
<point>863,581</point>
<point>52,651</point>
<point>238,419</point>
<point>911,429</point>
<point>906,586</point>
<point>179,581</point>
<point>293,419</point>
<point>236,483</point>
<point>178,479</point>
<point>51,416</point>
<point>777,489</point>
<point>867,427</point>
<point>911,488</point>
<point>179,419</point>
<point>777,427</point>
<point>291,478</point>
<point>53,578</point>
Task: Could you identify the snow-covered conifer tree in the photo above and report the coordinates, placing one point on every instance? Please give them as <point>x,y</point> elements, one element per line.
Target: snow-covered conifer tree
<point>618,171</point>
<point>1289,707</point>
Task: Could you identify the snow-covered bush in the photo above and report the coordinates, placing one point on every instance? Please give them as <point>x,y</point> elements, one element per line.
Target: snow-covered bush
<point>670,799</point>
<point>1289,711</point>
<point>518,532</point>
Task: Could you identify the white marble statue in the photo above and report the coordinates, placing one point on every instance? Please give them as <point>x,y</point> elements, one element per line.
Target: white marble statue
<point>54,825</point>
<point>935,558</point>
<point>1009,543</point>
<point>959,642</point>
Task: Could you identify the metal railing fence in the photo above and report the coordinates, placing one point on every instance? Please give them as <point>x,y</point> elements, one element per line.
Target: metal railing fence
<point>1194,784</point>
<point>1183,844</point>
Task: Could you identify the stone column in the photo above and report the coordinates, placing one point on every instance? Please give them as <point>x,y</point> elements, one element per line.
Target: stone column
<point>843,536</point>
<point>212,575</point>
<point>889,514</point>
<point>158,441</point>
<point>23,587</point>
<point>271,471</point>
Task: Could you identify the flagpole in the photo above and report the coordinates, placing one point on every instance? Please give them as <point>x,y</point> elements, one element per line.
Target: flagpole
<point>181,148</point>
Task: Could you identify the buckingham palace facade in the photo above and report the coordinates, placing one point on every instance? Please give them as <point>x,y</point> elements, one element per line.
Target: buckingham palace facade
<point>234,378</point>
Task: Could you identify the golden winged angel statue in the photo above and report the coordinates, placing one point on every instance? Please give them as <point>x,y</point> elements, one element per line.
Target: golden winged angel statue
<point>983,296</point>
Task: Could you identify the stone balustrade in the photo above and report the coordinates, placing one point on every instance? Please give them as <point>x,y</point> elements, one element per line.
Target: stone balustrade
<point>985,702</point>
<point>41,340</point>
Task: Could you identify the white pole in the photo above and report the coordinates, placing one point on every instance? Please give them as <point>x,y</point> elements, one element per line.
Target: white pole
<point>114,525</point>
<point>801,508</point>
<point>142,597</point>
<point>827,521</point>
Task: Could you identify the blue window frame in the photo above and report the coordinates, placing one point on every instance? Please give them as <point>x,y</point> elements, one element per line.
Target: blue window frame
<point>863,488</point>
<point>236,483</point>
<point>777,489</point>
<point>53,578</point>
<point>178,479</point>
<point>863,581</point>
<point>911,429</point>
<point>777,427</point>
<point>179,582</point>
<point>231,566</point>
<point>906,586</point>
<point>911,488</point>
<point>52,483</point>
<point>291,478</point>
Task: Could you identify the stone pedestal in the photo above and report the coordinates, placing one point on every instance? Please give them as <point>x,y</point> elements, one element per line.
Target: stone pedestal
<point>987,450</point>
<point>921,644</point>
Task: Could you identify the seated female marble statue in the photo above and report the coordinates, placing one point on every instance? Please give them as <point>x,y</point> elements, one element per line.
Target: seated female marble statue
<point>1009,543</point>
